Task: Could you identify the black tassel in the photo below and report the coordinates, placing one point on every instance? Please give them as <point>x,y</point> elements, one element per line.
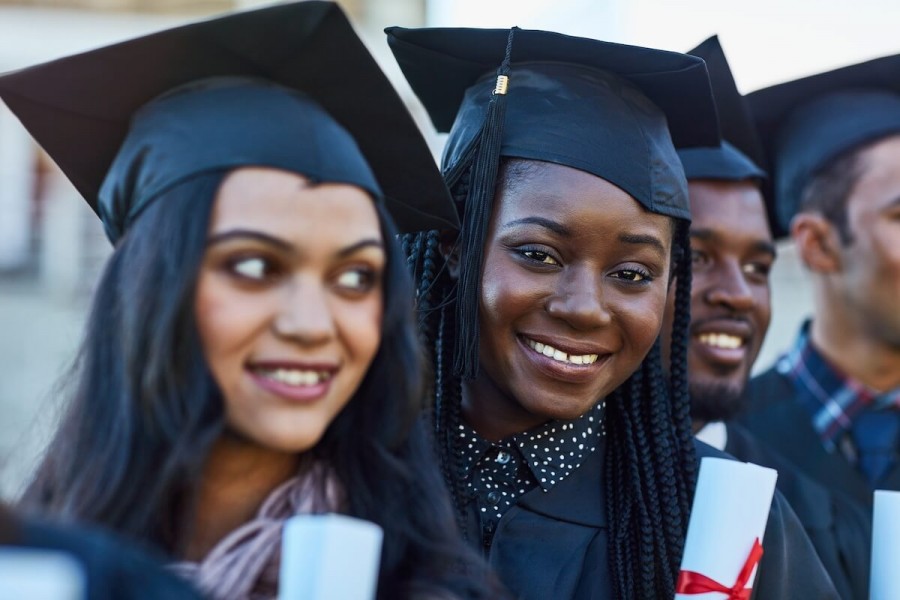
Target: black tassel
<point>477,214</point>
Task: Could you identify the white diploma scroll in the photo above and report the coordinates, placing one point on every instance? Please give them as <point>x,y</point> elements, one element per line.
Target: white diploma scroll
<point>730,511</point>
<point>40,575</point>
<point>884,584</point>
<point>329,557</point>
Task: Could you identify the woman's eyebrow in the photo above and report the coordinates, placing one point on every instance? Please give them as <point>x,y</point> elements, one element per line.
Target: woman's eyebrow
<point>642,240</point>
<point>258,236</point>
<point>353,248</point>
<point>554,226</point>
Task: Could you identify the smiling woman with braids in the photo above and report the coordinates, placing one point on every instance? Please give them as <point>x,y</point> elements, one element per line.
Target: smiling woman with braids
<point>251,353</point>
<point>568,451</point>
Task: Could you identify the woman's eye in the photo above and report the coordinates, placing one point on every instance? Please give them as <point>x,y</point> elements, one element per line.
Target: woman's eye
<point>356,279</point>
<point>541,257</point>
<point>632,275</point>
<point>252,268</point>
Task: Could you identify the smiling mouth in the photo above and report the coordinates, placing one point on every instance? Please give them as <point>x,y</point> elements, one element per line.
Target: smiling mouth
<point>295,377</point>
<point>560,356</point>
<point>725,341</point>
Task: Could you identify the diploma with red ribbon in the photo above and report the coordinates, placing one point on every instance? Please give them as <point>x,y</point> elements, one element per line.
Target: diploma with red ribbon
<point>725,532</point>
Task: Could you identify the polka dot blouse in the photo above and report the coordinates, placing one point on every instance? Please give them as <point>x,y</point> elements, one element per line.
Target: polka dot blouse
<point>499,473</point>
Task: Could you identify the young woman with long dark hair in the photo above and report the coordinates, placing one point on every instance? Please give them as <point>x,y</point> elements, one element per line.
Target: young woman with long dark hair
<point>567,448</point>
<point>251,352</point>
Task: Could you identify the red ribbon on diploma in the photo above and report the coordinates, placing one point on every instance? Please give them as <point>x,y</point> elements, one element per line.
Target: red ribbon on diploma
<point>690,582</point>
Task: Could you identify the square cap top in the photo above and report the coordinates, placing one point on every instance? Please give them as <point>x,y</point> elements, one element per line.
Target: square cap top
<point>611,110</point>
<point>740,156</point>
<point>807,123</point>
<point>82,108</point>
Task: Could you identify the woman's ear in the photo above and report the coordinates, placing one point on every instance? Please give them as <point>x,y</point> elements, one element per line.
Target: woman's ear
<point>450,251</point>
<point>818,242</point>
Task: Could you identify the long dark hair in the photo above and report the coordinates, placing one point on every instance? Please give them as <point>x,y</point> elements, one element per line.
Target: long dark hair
<point>650,460</point>
<point>130,450</point>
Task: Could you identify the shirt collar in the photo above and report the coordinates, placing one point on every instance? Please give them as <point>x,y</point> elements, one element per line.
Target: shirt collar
<point>552,451</point>
<point>834,399</point>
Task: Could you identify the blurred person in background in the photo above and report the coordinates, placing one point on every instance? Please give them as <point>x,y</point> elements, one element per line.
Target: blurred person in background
<point>251,352</point>
<point>733,252</point>
<point>831,403</point>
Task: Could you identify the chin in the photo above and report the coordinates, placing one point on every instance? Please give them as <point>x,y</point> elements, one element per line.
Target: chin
<point>562,411</point>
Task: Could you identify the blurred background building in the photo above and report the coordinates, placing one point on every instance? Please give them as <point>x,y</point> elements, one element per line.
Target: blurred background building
<point>52,248</point>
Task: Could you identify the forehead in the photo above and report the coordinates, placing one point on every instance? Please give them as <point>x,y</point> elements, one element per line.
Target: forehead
<point>728,208</point>
<point>583,202</point>
<point>879,176</point>
<point>285,204</point>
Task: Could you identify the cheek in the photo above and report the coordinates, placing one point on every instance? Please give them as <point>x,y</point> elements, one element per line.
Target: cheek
<point>360,325</point>
<point>508,290</point>
<point>641,316</point>
<point>227,321</point>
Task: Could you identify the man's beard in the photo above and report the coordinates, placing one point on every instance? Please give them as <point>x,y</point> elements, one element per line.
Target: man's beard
<point>715,401</point>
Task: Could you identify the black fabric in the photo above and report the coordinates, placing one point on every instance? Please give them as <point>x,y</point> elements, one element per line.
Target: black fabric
<point>499,473</point>
<point>839,529</point>
<point>222,124</point>
<point>555,544</point>
<point>114,570</point>
<point>570,101</point>
<point>740,154</point>
<point>80,108</point>
<point>807,123</point>
<point>781,424</point>
<point>725,163</point>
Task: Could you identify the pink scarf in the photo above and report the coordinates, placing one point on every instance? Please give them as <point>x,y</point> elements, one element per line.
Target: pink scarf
<point>245,564</point>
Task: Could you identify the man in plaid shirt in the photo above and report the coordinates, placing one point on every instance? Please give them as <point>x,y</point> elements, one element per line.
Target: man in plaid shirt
<point>831,404</point>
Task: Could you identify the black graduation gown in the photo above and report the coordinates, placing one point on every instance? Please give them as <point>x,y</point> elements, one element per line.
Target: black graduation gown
<point>114,570</point>
<point>554,544</point>
<point>780,423</point>
<point>839,529</point>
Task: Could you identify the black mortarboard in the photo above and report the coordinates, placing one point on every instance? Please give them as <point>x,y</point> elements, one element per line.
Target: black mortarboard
<point>808,123</point>
<point>739,156</point>
<point>289,86</point>
<point>603,108</point>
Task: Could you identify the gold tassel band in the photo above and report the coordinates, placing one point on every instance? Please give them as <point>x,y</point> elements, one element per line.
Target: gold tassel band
<point>502,85</point>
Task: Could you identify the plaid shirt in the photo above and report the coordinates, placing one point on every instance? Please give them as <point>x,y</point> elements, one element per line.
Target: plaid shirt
<point>834,400</point>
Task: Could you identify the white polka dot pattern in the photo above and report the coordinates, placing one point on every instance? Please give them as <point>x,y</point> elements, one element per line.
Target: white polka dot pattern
<point>497,474</point>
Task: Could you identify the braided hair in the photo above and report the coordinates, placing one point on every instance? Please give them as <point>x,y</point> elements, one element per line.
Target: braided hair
<point>650,462</point>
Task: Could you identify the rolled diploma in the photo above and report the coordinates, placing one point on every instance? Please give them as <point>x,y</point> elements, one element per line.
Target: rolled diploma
<point>40,575</point>
<point>730,511</point>
<point>329,557</point>
<point>884,584</point>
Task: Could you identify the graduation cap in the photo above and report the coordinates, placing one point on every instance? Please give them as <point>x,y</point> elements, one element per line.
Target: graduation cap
<point>808,123</point>
<point>607,109</point>
<point>740,155</point>
<point>289,86</point>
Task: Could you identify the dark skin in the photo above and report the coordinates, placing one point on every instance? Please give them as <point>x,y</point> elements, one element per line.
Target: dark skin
<point>733,253</point>
<point>574,263</point>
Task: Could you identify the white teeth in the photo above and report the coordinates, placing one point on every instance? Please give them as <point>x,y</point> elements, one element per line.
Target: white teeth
<point>559,355</point>
<point>721,340</point>
<point>295,377</point>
